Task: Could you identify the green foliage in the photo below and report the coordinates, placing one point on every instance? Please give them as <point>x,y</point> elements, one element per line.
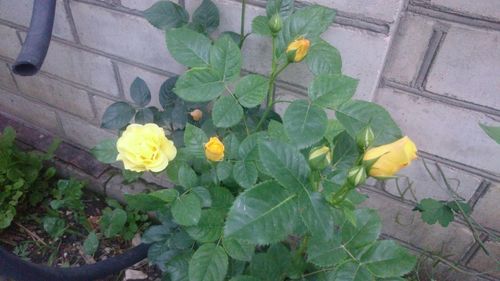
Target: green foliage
<point>23,180</point>
<point>166,15</point>
<point>444,212</point>
<point>105,151</point>
<point>234,219</point>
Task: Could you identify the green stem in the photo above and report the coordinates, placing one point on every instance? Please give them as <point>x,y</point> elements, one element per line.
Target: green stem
<point>303,247</point>
<point>270,93</point>
<point>242,30</point>
<point>340,195</point>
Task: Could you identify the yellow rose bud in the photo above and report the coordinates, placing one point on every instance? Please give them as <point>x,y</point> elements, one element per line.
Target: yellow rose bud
<point>214,149</point>
<point>320,157</point>
<point>145,148</point>
<point>297,50</point>
<point>392,157</point>
<point>196,114</point>
<point>275,23</point>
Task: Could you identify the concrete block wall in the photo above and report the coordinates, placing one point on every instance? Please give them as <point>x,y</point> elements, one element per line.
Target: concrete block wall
<point>434,64</point>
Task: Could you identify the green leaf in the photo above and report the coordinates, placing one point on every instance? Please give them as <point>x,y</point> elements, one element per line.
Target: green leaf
<point>130,176</point>
<point>199,85</point>
<point>492,132</point>
<point>178,266</point>
<point>276,131</point>
<point>323,58</point>
<point>226,112</point>
<point>357,115</point>
<point>316,213</point>
<point>285,163</point>
<point>209,228</point>
<point>209,263</point>
<point>186,210</point>
<point>244,278</point>
<point>91,244</point>
<point>387,259</point>
<point>167,195</point>
<point>325,252</point>
<point>222,199</point>
<point>113,222</point>
<point>204,195</point>
<point>239,250</point>
<point>165,15</point>
<point>194,139</point>
<point>188,47</point>
<point>283,7</point>
<point>207,16</point>
<point>167,96</point>
<point>345,152</point>
<point>332,90</point>
<point>144,116</point>
<point>225,58</point>
<point>272,265</point>
<point>224,170</point>
<point>156,233</point>
<point>187,177</point>
<point>433,211</point>
<point>245,173</point>
<point>105,151</point>
<point>233,35</point>
<point>160,253</point>
<point>231,146</point>
<point>251,90</point>
<point>351,271</point>
<point>305,123</point>
<point>140,93</point>
<point>459,207</point>
<point>308,22</point>
<point>260,25</point>
<point>54,226</point>
<point>366,230</point>
<point>117,115</point>
<point>262,214</point>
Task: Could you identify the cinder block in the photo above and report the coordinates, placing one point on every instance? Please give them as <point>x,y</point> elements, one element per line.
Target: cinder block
<point>6,80</point>
<point>140,5</point>
<point>409,47</point>
<point>29,111</point>
<point>122,34</point>
<point>467,67</point>
<point>82,67</point>
<point>399,221</point>
<point>489,9</point>
<point>484,263</point>
<point>19,12</point>
<point>386,10</point>
<point>9,45</point>
<point>443,130</point>
<point>83,133</point>
<point>58,94</point>
<point>416,183</point>
<point>486,210</point>
<point>154,81</point>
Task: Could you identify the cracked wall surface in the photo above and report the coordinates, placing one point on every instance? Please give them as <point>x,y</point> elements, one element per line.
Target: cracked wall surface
<point>434,64</point>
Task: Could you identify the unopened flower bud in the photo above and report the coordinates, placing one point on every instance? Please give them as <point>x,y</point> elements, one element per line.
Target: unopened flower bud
<point>320,157</point>
<point>196,114</point>
<point>357,175</point>
<point>297,50</point>
<point>275,23</point>
<point>365,138</point>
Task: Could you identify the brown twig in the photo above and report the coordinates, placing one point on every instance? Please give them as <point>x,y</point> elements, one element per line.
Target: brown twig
<point>32,234</point>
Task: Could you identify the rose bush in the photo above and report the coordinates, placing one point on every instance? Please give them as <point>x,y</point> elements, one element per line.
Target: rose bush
<point>258,195</point>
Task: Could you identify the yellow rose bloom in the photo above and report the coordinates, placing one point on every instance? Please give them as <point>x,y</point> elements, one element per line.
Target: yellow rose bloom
<point>393,157</point>
<point>145,148</point>
<point>298,48</point>
<point>214,149</point>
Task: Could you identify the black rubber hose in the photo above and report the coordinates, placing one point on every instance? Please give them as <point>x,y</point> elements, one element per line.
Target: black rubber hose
<point>17,269</point>
<point>37,41</point>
